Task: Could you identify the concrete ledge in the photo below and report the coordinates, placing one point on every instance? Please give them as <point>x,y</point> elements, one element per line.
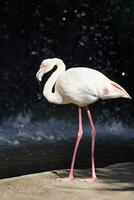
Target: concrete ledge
<point>114,182</point>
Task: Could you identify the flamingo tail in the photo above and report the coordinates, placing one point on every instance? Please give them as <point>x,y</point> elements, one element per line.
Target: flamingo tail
<point>120,89</point>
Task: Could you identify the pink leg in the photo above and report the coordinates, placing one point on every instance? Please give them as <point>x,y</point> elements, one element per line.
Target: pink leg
<point>93,135</point>
<point>79,135</point>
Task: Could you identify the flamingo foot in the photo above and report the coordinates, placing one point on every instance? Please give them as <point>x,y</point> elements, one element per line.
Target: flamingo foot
<point>66,179</point>
<point>90,180</point>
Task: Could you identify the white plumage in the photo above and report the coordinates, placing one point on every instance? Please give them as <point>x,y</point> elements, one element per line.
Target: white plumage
<point>81,85</point>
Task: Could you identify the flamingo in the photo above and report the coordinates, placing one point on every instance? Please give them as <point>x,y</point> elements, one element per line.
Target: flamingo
<point>81,86</point>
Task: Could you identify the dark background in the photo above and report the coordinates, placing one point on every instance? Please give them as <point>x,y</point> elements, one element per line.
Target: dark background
<point>97,34</point>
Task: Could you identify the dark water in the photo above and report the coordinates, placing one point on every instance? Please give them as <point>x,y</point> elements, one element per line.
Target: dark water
<point>39,157</point>
<point>29,147</point>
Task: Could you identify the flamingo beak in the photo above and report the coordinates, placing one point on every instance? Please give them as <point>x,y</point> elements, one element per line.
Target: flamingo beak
<point>40,74</point>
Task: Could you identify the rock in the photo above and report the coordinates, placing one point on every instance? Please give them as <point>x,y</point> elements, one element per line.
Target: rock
<point>114,182</point>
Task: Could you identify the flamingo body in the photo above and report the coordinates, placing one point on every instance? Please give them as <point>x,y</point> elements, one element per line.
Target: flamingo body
<point>83,86</point>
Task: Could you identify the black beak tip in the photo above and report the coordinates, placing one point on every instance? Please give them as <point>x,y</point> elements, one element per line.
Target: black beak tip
<point>39,82</point>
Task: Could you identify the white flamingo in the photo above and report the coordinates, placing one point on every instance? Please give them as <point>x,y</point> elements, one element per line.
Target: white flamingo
<point>81,86</point>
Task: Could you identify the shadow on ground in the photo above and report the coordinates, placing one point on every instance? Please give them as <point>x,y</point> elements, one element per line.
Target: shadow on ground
<point>119,176</point>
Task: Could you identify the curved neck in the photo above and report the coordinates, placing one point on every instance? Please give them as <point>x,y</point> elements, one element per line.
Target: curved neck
<point>54,97</point>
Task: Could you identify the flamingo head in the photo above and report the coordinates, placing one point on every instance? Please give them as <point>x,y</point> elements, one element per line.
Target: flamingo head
<point>45,67</point>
